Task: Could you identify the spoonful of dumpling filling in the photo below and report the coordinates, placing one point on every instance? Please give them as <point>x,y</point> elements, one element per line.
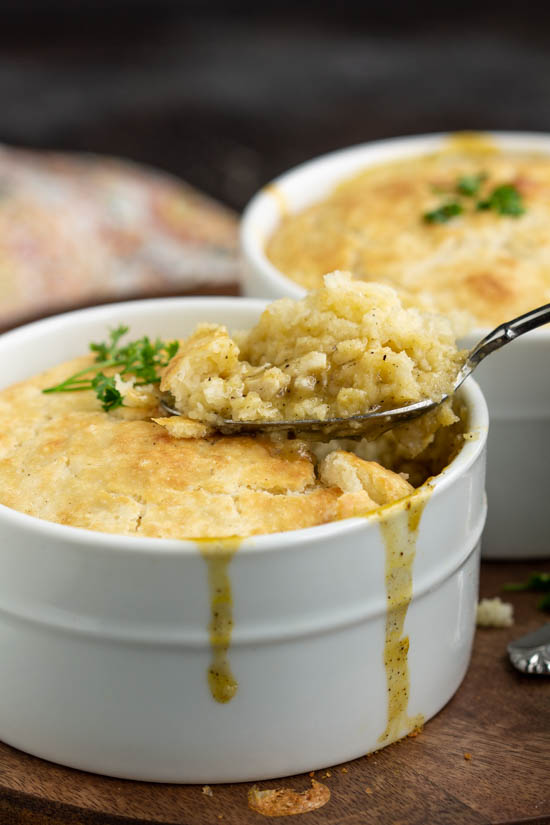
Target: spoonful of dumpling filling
<point>344,360</point>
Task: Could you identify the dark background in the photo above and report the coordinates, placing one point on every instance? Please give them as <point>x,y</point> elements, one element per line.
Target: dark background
<point>229,94</point>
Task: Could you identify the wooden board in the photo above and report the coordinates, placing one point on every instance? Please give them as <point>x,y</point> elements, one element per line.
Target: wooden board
<point>499,716</point>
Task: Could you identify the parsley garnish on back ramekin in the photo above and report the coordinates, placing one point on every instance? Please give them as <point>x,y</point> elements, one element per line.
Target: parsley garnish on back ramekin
<point>504,199</point>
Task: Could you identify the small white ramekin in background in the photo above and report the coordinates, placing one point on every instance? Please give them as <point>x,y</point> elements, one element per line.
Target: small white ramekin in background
<point>515,381</point>
<point>105,641</point>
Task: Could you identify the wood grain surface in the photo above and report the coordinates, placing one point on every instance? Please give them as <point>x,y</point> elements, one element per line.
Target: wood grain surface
<point>498,716</point>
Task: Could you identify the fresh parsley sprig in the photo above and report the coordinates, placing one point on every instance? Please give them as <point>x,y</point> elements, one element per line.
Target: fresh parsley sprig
<point>106,390</point>
<point>142,359</point>
<point>505,199</point>
<point>443,213</point>
<point>470,184</point>
<point>538,582</point>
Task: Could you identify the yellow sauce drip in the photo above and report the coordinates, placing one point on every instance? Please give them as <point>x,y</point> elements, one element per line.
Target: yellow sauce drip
<point>400,531</point>
<point>279,197</point>
<point>475,142</point>
<point>218,554</point>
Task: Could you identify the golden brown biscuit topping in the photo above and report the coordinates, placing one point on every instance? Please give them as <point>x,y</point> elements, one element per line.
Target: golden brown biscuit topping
<point>64,459</point>
<point>86,444</point>
<point>287,801</point>
<point>485,249</point>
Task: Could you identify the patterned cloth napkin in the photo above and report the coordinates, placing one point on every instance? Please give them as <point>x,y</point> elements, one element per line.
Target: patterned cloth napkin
<point>82,229</point>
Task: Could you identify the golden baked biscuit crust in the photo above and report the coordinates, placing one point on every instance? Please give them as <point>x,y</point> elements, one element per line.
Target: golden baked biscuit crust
<point>493,266</point>
<point>65,460</point>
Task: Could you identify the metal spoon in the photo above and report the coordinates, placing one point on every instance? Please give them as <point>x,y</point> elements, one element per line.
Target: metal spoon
<point>531,653</point>
<point>379,419</point>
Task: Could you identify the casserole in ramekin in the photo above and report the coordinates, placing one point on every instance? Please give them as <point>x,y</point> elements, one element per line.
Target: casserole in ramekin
<point>105,639</point>
<point>514,380</point>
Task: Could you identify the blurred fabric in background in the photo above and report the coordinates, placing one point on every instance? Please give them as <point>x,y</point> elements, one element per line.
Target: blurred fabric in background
<point>228,94</point>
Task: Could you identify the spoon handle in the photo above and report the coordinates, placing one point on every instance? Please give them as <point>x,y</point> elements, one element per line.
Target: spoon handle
<point>507,332</point>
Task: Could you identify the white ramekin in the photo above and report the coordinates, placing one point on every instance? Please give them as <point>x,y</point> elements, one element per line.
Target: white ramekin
<point>105,642</point>
<point>514,381</point>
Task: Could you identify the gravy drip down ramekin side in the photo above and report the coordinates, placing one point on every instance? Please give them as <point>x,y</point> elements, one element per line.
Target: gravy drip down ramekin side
<point>218,554</point>
<point>400,536</point>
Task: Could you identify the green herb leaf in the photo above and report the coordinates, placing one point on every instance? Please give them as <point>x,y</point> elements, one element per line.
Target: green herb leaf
<point>443,213</point>
<point>470,184</point>
<point>106,351</point>
<point>539,582</point>
<point>142,358</point>
<point>106,391</point>
<point>171,348</point>
<point>505,199</point>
